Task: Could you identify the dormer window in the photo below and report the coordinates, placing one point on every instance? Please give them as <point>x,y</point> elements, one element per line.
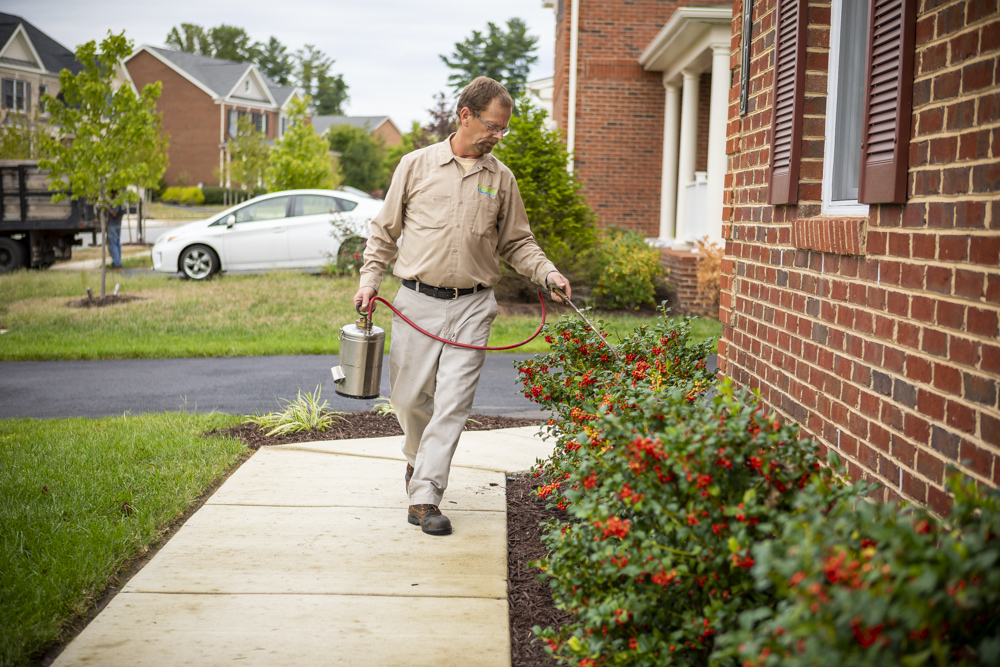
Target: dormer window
<point>246,86</point>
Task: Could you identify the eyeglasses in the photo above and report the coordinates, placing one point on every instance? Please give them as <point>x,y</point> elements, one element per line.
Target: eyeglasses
<point>492,129</point>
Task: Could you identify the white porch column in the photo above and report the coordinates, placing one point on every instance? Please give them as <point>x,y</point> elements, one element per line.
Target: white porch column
<point>686,157</point>
<point>717,117</point>
<point>668,182</point>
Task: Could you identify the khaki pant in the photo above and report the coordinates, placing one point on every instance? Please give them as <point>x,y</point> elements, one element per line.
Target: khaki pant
<point>432,384</point>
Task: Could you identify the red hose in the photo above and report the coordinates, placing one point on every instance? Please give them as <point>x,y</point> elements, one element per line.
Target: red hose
<point>466,345</point>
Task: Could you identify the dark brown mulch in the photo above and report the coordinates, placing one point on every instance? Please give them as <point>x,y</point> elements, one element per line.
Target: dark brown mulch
<point>102,301</point>
<point>358,425</point>
<point>530,600</point>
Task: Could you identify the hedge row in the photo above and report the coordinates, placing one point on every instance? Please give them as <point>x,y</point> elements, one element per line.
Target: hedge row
<point>701,529</point>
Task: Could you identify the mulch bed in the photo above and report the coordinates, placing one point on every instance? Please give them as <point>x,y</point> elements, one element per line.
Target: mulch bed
<point>102,301</point>
<point>530,600</point>
<point>357,425</point>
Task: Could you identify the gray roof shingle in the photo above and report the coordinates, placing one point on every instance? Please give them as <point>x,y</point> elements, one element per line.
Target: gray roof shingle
<point>323,123</point>
<point>55,57</point>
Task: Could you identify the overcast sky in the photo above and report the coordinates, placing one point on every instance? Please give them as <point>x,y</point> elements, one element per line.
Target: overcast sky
<point>387,50</point>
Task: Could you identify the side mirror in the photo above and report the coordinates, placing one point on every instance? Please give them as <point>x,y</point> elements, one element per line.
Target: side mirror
<point>230,221</point>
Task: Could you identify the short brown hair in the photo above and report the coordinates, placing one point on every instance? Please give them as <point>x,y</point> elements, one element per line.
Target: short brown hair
<point>480,92</point>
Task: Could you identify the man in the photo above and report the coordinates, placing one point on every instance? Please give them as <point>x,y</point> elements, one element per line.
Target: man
<point>452,211</point>
<point>114,223</point>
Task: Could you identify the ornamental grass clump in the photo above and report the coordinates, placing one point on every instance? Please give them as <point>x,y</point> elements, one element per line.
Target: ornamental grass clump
<point>305,413</point>
<point>871,584</point>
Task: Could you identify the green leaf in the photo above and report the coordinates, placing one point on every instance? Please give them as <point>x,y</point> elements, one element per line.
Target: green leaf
<point>734,546</point>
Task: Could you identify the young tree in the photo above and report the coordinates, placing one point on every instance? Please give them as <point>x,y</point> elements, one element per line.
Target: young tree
<point>105,125</point>
<point>328,91</point>
<point>561,220</point>
<point>248,155</point>
<point>190,38</point>
<point>150,149</point>
<point>275,62</point>
<point>22,138</point>
<point>506,56</point>
<point>362,157</point>
<point>301,159</point>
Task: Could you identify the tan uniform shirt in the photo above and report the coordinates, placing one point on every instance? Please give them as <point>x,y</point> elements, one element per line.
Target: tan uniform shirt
<point>451,227</point>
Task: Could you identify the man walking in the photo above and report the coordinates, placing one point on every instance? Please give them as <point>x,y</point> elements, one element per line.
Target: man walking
<point>452,211</point>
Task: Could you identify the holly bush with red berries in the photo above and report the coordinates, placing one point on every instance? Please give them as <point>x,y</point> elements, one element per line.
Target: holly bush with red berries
<point>698,525</point>
<point>873,584</point>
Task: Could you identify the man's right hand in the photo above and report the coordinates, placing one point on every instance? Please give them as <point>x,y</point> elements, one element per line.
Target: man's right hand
<point>364,299</point>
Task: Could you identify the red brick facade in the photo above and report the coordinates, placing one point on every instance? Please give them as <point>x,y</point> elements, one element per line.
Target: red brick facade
<point>878,334</point>
<point>619,108</point>
<point>192,119</point>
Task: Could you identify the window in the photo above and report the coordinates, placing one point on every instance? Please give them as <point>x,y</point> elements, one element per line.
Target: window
<point>16,94</point>
<point>346,205</point>
<point>234,117</point>
<point>269,209</point>
<point>246,86</point>
<point>845,108</point>
<point>284,125</point>
<point>314,205</point>
<point>42,90</point>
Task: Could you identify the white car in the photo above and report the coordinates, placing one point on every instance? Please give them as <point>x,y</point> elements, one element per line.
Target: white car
<point>289,229</point>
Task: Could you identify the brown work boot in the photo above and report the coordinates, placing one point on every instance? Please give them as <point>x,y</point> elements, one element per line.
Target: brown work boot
<point>430,519</point>
<point>409,474</point>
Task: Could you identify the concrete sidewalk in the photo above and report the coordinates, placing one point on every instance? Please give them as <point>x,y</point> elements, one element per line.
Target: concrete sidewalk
<point>304,557</point>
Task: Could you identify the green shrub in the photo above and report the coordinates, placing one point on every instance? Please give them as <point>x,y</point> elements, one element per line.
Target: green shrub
<point>560,217</point>
<point>192,196</point>
<point>700,529</point>
<point>628,269</point>
<point>171,195</point>
<point>876,584</point>
<point>216,195</point>
<point>665,504</point>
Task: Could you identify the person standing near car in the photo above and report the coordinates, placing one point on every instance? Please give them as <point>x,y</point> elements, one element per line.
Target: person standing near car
<point>451,212</point>
<point>114,229</point>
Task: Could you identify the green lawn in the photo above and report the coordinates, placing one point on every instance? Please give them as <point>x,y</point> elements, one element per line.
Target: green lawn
<point>231,315</point>
<point>79,498</point>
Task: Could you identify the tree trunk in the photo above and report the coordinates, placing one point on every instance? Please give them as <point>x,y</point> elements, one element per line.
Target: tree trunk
<point>104,250</point>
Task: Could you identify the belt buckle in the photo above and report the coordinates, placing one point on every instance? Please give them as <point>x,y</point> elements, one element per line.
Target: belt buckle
<point>454,294</point>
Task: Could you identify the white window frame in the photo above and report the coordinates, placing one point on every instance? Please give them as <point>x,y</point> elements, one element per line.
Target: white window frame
<point>844,207</point>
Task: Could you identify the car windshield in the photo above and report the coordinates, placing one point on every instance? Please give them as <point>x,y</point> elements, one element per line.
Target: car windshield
<point>269,209</point>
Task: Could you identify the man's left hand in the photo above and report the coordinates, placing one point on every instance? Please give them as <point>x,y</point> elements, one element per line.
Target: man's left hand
<point>559,280</point>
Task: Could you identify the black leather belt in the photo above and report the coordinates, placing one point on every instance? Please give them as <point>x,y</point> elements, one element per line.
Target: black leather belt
<point>441,292</point>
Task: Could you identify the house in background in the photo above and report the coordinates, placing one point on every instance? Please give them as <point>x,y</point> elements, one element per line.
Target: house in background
<point>380,127</point>
<point>30,62</point>
<point>202,100</point>
<point>861,280</point>
<point>640,90</point>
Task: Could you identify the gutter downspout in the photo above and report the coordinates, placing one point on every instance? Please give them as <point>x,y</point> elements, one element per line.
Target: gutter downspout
<point>574,50</point>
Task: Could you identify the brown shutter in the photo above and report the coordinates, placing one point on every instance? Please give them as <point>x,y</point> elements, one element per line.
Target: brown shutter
<point>788,96</point>
<point>888,100</point>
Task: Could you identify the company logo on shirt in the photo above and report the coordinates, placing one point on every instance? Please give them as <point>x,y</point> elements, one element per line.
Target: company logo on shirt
<point>487,190</point>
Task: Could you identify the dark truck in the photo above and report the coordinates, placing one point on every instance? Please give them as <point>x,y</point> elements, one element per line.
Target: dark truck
<point>34,231</point>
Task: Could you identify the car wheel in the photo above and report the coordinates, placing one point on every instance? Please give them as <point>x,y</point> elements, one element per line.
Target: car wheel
<point>11,254</point>
<point>198,262</point>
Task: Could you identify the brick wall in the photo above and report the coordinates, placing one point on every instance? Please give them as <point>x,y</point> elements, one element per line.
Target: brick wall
<point>619,129</point>
<point>190,118</point>
<point>878,334</point>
